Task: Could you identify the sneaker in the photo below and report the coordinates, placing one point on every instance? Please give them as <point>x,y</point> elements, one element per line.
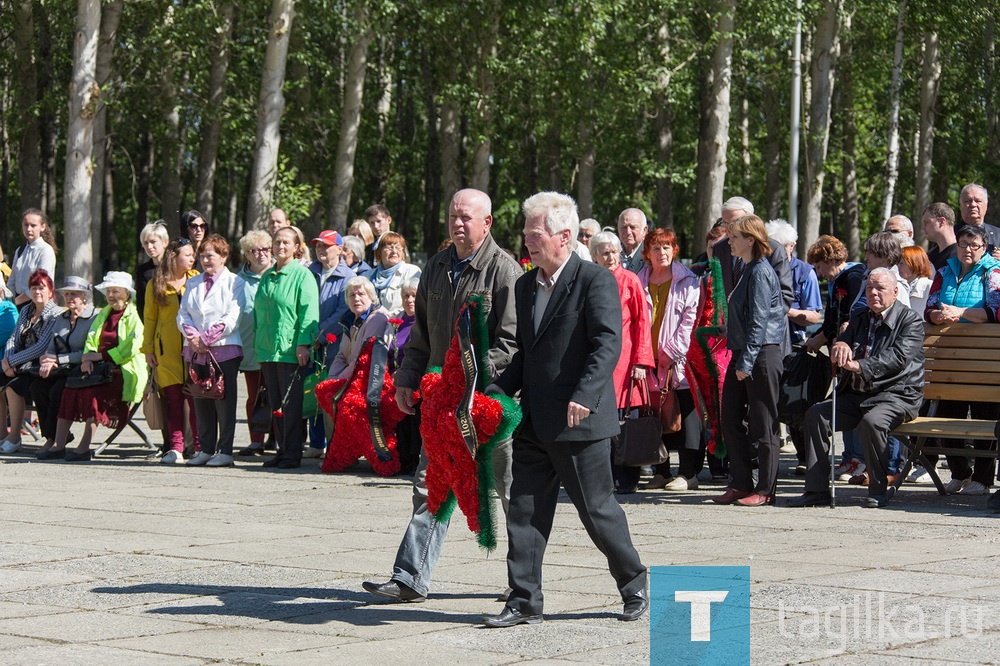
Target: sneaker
<point>312,452</point>
<point>220,460</point>
<point>919,475</point>
<point>681,483</point>
<point>787,447</point>
<point>199,459</point>
<point>974,488</point>
<point>956,485</point>
<point>9,446</point>
<point>172,457</point>
<point>855,468</point>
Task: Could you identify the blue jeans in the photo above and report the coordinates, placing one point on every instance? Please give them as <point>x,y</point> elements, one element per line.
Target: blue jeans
<point>421,546</point>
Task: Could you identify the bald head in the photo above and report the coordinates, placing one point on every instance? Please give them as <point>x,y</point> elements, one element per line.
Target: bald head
<point>632,228</point>
<point>469,220</point>
<point>974,200</point>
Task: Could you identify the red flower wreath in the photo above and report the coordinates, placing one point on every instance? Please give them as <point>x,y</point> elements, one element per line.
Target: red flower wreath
<point>450,466</point>
<point>352,436</point>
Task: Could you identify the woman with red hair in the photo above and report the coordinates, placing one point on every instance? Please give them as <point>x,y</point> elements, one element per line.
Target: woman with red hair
<point>30,340</point>
<point>672,293</point>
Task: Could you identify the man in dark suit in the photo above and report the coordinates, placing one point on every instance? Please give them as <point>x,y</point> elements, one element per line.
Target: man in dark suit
<point>882,355</point>
<point>569,340</point>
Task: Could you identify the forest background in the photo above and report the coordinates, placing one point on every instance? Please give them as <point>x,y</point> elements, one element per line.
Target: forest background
<point>117,113</point>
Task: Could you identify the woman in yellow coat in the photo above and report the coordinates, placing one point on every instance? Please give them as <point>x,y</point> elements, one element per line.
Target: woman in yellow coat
<point>163,343</point>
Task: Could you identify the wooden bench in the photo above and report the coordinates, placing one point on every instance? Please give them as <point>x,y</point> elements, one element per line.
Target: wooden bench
<point>962,362</point>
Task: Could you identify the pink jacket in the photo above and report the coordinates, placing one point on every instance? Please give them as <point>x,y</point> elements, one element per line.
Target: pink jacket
<point>637,348</point>
<point>678,322</point>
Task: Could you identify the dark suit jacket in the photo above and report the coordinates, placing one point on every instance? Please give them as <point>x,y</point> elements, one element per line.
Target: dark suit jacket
<point>895,367</point>
<point>573,355</point>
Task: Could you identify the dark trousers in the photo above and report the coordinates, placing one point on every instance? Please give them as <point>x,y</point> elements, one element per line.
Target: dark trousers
<point>253,380</point>
<point>959,465</point>
<point>217,418</point>
<point>46,394</point>
<point>750,421</point>
<point>873,424</point>
<point>584,470</point>
<point>281,378</point>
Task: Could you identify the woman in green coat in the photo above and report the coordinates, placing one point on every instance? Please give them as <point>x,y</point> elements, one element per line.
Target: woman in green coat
<point>115,337</point>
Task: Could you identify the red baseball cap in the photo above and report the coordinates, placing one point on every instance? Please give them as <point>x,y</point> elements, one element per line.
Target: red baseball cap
<point>328,237</point>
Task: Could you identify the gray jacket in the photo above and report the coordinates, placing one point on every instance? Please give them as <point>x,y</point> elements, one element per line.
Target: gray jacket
<point>756,315</point>
<point>492,273</point>
<point>67,341</point>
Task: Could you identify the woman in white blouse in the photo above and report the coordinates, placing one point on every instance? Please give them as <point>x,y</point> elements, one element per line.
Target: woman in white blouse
<point>208,319</point>
<point>391,272</point>
<point>39,251</point>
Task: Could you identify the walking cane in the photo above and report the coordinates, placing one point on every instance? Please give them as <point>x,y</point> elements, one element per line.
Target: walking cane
<point>833,435</point>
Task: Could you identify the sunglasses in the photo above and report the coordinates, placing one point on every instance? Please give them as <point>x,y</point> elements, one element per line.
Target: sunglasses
<point>183,241</point>
<point>197,226</point>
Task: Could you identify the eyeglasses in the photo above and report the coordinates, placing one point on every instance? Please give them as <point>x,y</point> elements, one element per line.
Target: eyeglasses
<point>260,250</point>
<point>183,241</point>
<point>969,246</point>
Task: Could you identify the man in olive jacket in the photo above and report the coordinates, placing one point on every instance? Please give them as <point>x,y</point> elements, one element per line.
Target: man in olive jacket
<point>474,264</point>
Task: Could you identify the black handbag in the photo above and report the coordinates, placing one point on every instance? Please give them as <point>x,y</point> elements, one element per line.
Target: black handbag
<point>804,382</point>
<point>260,415</point>
<point>641,439</point>
<point>101,373</point>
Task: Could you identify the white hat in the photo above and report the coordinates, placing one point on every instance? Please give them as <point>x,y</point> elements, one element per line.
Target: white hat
<point>117,279</point>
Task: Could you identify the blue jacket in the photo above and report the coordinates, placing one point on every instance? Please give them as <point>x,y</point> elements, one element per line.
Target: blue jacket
<point>332,304</point>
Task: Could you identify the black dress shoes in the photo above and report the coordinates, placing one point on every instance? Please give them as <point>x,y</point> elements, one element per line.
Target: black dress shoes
<point>394,590</point>
<point>635,607</point>
<point>285,463</point>
<point>252,450</point>
<point>51,454</point>
<point>810,499</point>
<point>73,456</point>
<point>273,462</point>
<point>510,617</point>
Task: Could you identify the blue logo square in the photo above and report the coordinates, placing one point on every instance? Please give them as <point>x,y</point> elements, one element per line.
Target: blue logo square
<point>699,615</point>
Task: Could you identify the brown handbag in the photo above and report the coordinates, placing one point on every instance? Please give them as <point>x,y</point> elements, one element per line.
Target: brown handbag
<point>640,442</point>
<point>670,406</point>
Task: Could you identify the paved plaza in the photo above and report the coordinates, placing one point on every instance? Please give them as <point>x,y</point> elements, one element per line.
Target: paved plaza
<point>125,561</point>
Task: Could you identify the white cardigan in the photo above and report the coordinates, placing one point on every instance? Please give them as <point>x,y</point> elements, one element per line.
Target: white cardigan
<point>205,311</point>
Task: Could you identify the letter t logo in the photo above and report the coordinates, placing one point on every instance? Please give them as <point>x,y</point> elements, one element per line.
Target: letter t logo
<point>701,610</point>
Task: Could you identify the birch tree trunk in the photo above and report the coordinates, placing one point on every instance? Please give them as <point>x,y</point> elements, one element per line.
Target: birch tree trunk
<point>270,107</point>
<point>825,50</point>
<point>84,96</point>
<point>29,156</point>
<point>484,104</point>
<point>664,132</point>
<point>585,184</point>
<point>849,169</point>
<point>451,174</point>
<point>111,15</point>
<point>892,159</point>
<point>930,84</point>
<point>992,110</point>
<point>350,119</point>
<point>212,117</point>
<point>714,139</point>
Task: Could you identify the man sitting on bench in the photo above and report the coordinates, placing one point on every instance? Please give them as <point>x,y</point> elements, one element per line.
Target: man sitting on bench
<point>882,354</point>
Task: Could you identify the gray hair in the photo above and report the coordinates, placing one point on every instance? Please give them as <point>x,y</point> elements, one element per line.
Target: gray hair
<point>412,283</point>
<point>904,221</point>
<point>904,238</point>
<point>974,186</point>
<point>642,216</point>
<point>352,285</point>
<point>782,232</point>
<point>591,225</point>
<point>738,203</point>
<point>604,238</point>
<point>356,246</point>
<point>559,211</point>
<point>876,272</point>
<point>158,229</point>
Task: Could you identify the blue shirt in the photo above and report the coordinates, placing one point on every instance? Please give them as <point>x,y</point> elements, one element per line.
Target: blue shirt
<point>807,295</point>
<point>8,320</point>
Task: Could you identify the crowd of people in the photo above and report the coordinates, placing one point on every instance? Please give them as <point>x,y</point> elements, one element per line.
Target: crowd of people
<point>199,313</point>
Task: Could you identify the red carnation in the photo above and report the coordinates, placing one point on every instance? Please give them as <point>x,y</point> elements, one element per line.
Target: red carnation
<point>278,413</point>
<point>331,338</point>
<point>396,321</point>
<point>840,294</point>
<point>525,262</point>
